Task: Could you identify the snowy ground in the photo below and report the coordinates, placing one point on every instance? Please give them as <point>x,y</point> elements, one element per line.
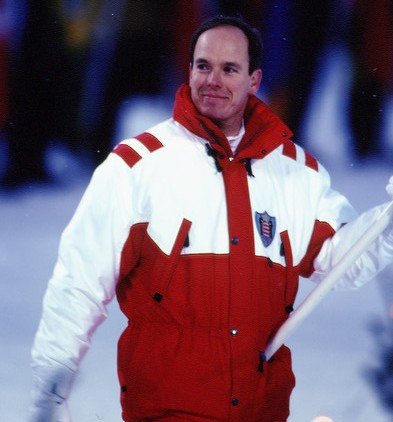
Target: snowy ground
<point>332,350</point>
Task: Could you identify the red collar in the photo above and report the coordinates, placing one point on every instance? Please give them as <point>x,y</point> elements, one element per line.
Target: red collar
<point>264,130</point>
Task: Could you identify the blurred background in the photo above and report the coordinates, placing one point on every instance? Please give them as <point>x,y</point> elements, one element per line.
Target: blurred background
<point>77,77</point>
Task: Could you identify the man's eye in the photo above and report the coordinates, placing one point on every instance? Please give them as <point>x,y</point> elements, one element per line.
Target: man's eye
<point>229,69</point>
<point>202,66</point>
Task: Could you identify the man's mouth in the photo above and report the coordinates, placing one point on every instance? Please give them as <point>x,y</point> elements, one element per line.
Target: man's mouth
<point>213,96</point>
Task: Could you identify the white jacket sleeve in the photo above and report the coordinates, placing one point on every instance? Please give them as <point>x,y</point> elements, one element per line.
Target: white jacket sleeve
<point>83,283</point>
<point>373,259</point>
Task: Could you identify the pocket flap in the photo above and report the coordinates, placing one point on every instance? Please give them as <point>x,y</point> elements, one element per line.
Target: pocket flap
<point>169,233</point>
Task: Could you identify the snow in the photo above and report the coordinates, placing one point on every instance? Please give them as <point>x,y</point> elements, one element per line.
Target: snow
<point>332,350</point>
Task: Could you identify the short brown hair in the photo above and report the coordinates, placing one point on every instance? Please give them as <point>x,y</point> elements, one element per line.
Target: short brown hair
<point>252,34</point>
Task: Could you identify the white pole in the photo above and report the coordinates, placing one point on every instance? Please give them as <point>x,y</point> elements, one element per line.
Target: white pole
<point>313,299</point>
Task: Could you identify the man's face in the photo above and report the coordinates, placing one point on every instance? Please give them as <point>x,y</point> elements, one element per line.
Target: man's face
<point>219,78</point>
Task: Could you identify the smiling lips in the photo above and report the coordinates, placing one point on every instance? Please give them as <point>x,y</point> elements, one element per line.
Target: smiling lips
<point>213,96</point>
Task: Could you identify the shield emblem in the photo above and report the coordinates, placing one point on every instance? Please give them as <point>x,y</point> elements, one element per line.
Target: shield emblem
<point>266,226</point>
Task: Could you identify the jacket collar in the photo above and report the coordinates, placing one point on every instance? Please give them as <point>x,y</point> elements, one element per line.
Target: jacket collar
<point>264,130</point>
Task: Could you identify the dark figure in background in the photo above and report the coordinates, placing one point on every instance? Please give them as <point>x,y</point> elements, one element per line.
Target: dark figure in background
<point>253,11</point>
<point>371,42</point>
<point>303,35</point>
<point>138,66</point>
<point>61,90</point>
<point>4,54</point>
<point>43,97</point>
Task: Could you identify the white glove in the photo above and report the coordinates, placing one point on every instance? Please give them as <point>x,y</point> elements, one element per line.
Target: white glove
<point>51,411</point>
<point>389,187</point>
<point>52,386</point>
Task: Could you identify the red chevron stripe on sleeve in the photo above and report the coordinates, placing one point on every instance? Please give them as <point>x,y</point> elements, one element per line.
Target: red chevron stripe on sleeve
<point>289,150</point>
<point>149,141</point>
<point>311,161</point>
<point>130,156</point>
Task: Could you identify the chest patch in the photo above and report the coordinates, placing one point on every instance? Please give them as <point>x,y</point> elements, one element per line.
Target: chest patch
<point>266,225</point>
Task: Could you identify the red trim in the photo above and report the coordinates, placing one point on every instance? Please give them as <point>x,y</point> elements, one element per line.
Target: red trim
<point>149,141</point>
<point>311,161</point>
<point>321,232</point>
<point>130,156</point>
<point>287,248</point>
<point>181,237</point>
<point>292,278</point>
<point>241,241</point>
<point>289,150</point>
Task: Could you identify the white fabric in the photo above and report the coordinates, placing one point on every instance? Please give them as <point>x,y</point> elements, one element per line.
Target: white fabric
<point>389,187</point>
<point>374,259</point>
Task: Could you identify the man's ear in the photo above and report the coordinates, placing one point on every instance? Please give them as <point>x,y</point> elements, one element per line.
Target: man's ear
<point>189,71</point>
<point>256,79</point>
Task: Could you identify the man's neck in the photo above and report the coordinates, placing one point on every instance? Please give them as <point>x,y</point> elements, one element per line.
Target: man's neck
<point>234,141</point>
<point>230,128</point>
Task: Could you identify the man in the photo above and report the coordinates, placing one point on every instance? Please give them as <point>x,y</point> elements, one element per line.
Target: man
<point>202,226</point>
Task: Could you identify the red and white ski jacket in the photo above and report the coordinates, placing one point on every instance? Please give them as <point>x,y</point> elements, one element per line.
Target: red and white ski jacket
<point>203,249</point>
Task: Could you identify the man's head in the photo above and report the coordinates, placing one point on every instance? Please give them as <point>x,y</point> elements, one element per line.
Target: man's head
<point>252,34</point>
<point>224,70</point>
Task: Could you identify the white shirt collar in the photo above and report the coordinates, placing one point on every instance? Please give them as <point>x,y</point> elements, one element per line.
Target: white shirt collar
<point>234,141</point>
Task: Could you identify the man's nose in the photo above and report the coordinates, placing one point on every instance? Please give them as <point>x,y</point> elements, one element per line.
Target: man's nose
<point>214,78</point>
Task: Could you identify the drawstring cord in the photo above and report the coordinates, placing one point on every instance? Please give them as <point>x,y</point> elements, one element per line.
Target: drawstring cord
<point>247,163</point>
<point>213,153</point>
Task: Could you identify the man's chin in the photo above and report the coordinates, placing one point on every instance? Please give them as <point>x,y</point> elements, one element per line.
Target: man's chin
<point>213,115</point>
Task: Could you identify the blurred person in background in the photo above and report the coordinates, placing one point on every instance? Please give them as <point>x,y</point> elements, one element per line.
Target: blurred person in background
<point>43,93</point>
<point>370,37</point>
<point>201,226</point>
<point>5,30</point>
<point>294,36</point>
<point>75,64</point>
<point>129,56</point>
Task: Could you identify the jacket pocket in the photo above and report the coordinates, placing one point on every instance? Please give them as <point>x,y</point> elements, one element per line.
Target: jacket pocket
<point>161,255</point>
